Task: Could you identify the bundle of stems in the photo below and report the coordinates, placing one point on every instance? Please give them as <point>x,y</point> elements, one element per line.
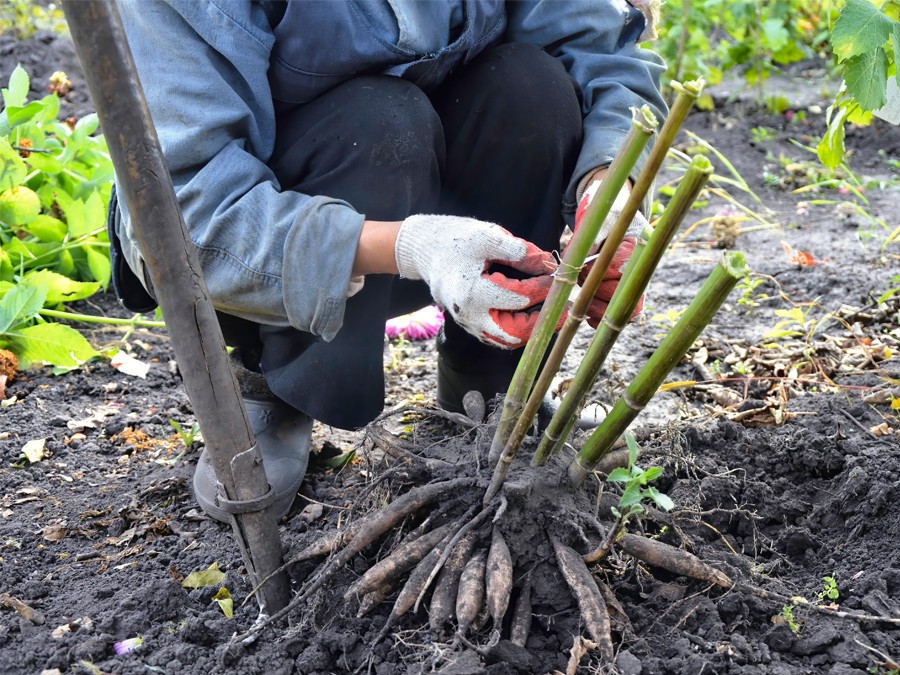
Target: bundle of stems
<point>643,125</point>
<point>517,418</point>
<point>725,275</point>
<point>635,279</point>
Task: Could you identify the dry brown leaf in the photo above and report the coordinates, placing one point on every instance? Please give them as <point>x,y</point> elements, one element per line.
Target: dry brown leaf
<point>55,532</point>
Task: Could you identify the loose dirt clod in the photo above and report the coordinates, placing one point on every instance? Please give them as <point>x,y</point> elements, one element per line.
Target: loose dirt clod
<point>590,601</point>
<point>9,364</point>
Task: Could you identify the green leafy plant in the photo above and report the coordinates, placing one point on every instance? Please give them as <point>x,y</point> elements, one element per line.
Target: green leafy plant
<point>636,488</point>
<point>188,436</point>
<point>55,183</point>
<point>790,619</point>
<point>707,38</point>
<point>23,18</point>
<point>829,590</point>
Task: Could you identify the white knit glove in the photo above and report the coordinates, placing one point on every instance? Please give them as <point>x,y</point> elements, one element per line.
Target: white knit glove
<point>452,255</point>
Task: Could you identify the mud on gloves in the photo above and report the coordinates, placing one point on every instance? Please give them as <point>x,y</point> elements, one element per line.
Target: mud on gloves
<point>614,272</point>
<point>452,255</point>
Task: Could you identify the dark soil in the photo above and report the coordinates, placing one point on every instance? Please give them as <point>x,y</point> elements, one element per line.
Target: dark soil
<point>783,468</point>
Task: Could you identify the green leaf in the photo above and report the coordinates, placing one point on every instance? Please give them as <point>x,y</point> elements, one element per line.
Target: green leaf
<point>20,304</point>
<point>19,84</point>
<point>632,448</point>
<point>775,33</point>
<point>211,576</point>
<point>662,500</point>
<point>226,604</point>
<point>12,168</point>
<point>619,475</point>
<point>6,268</point>
<point>46,163</point>
<point>85,217</point>
<point>866,78</point>
<point>19,206</point>
<point>652,474</point>
<point>27,253</point>
<point>60,288</point>
<point>50,343</point>
<point>47,229</point>
<point>860,29</point>
<point>339,461</point>
<point>98,263</point>
<point>632,495</point>
<point>831,148</point>
<point>20,115</point>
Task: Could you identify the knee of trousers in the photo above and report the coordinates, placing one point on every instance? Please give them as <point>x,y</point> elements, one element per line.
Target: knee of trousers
<point>400,127</point>
<point>531,91</point>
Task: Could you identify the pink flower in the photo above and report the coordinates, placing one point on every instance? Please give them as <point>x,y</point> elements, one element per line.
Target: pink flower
<point>419,325</point>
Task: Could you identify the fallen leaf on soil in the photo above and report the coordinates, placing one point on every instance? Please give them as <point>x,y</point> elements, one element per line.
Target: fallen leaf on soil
<point>55,532</point>
<point>211,576</point>
<point>26,612</point>
<point>883,429</point>
<point>34,450</point>
<point>126,363</point>
<point>95,418</point>
<point>84,623</point>
<point>226,604</point>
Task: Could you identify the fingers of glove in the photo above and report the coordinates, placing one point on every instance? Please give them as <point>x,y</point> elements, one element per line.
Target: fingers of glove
<point>535,261</point>
<point>535,289</point>
<point>598,308</point>
<point>515,325</point>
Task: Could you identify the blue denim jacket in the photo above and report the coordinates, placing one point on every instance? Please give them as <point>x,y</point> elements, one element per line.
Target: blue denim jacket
<point>212,71</point>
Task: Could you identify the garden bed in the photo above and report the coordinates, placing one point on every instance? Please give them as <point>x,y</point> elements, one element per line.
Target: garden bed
<point>781,458</point>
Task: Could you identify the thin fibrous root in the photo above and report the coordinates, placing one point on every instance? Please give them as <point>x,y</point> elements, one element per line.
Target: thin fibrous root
<point>368,530</point>
<point>443,599</point>
<point>470,594</point>
<point>520,626</point>
<point>590,601</point>
<point>401,560</point>
<point>499,578</point>
<point>672,559</point>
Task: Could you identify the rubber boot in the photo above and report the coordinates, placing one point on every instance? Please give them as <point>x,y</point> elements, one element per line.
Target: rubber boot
<point>284,436</point>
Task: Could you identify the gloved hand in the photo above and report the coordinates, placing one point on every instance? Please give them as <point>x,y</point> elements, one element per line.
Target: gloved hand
<point>614,272</point>
<point>452,254</point>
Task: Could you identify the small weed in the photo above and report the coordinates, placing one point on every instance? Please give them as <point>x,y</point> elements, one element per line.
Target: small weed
<point>829,590</point>
<point>749,297</point>
<point>762,135</point>
<point>635,481</point>
<point>187,436</point>
<point>790,619</point>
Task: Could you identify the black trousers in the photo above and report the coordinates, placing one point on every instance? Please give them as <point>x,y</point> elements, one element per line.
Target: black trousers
<point>497,141</point>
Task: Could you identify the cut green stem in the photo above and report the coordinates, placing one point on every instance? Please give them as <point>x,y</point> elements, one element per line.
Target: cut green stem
<point>628,293</point>
<point>111,321</point>
<point>671,350</point>
<point>643,125</point>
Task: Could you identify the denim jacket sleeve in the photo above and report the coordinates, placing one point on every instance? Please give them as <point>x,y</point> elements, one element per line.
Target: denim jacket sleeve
<point>596,40</point>
<point>273,257</point>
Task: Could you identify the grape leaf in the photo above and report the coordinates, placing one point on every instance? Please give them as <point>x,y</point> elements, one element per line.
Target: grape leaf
<point>866,78</point>
<point>860,29</point>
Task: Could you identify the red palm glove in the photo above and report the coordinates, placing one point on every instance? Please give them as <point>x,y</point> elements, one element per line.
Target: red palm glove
<point>610,282</point>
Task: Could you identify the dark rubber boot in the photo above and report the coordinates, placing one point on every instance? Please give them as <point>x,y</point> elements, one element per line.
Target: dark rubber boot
<point>284,436</point>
